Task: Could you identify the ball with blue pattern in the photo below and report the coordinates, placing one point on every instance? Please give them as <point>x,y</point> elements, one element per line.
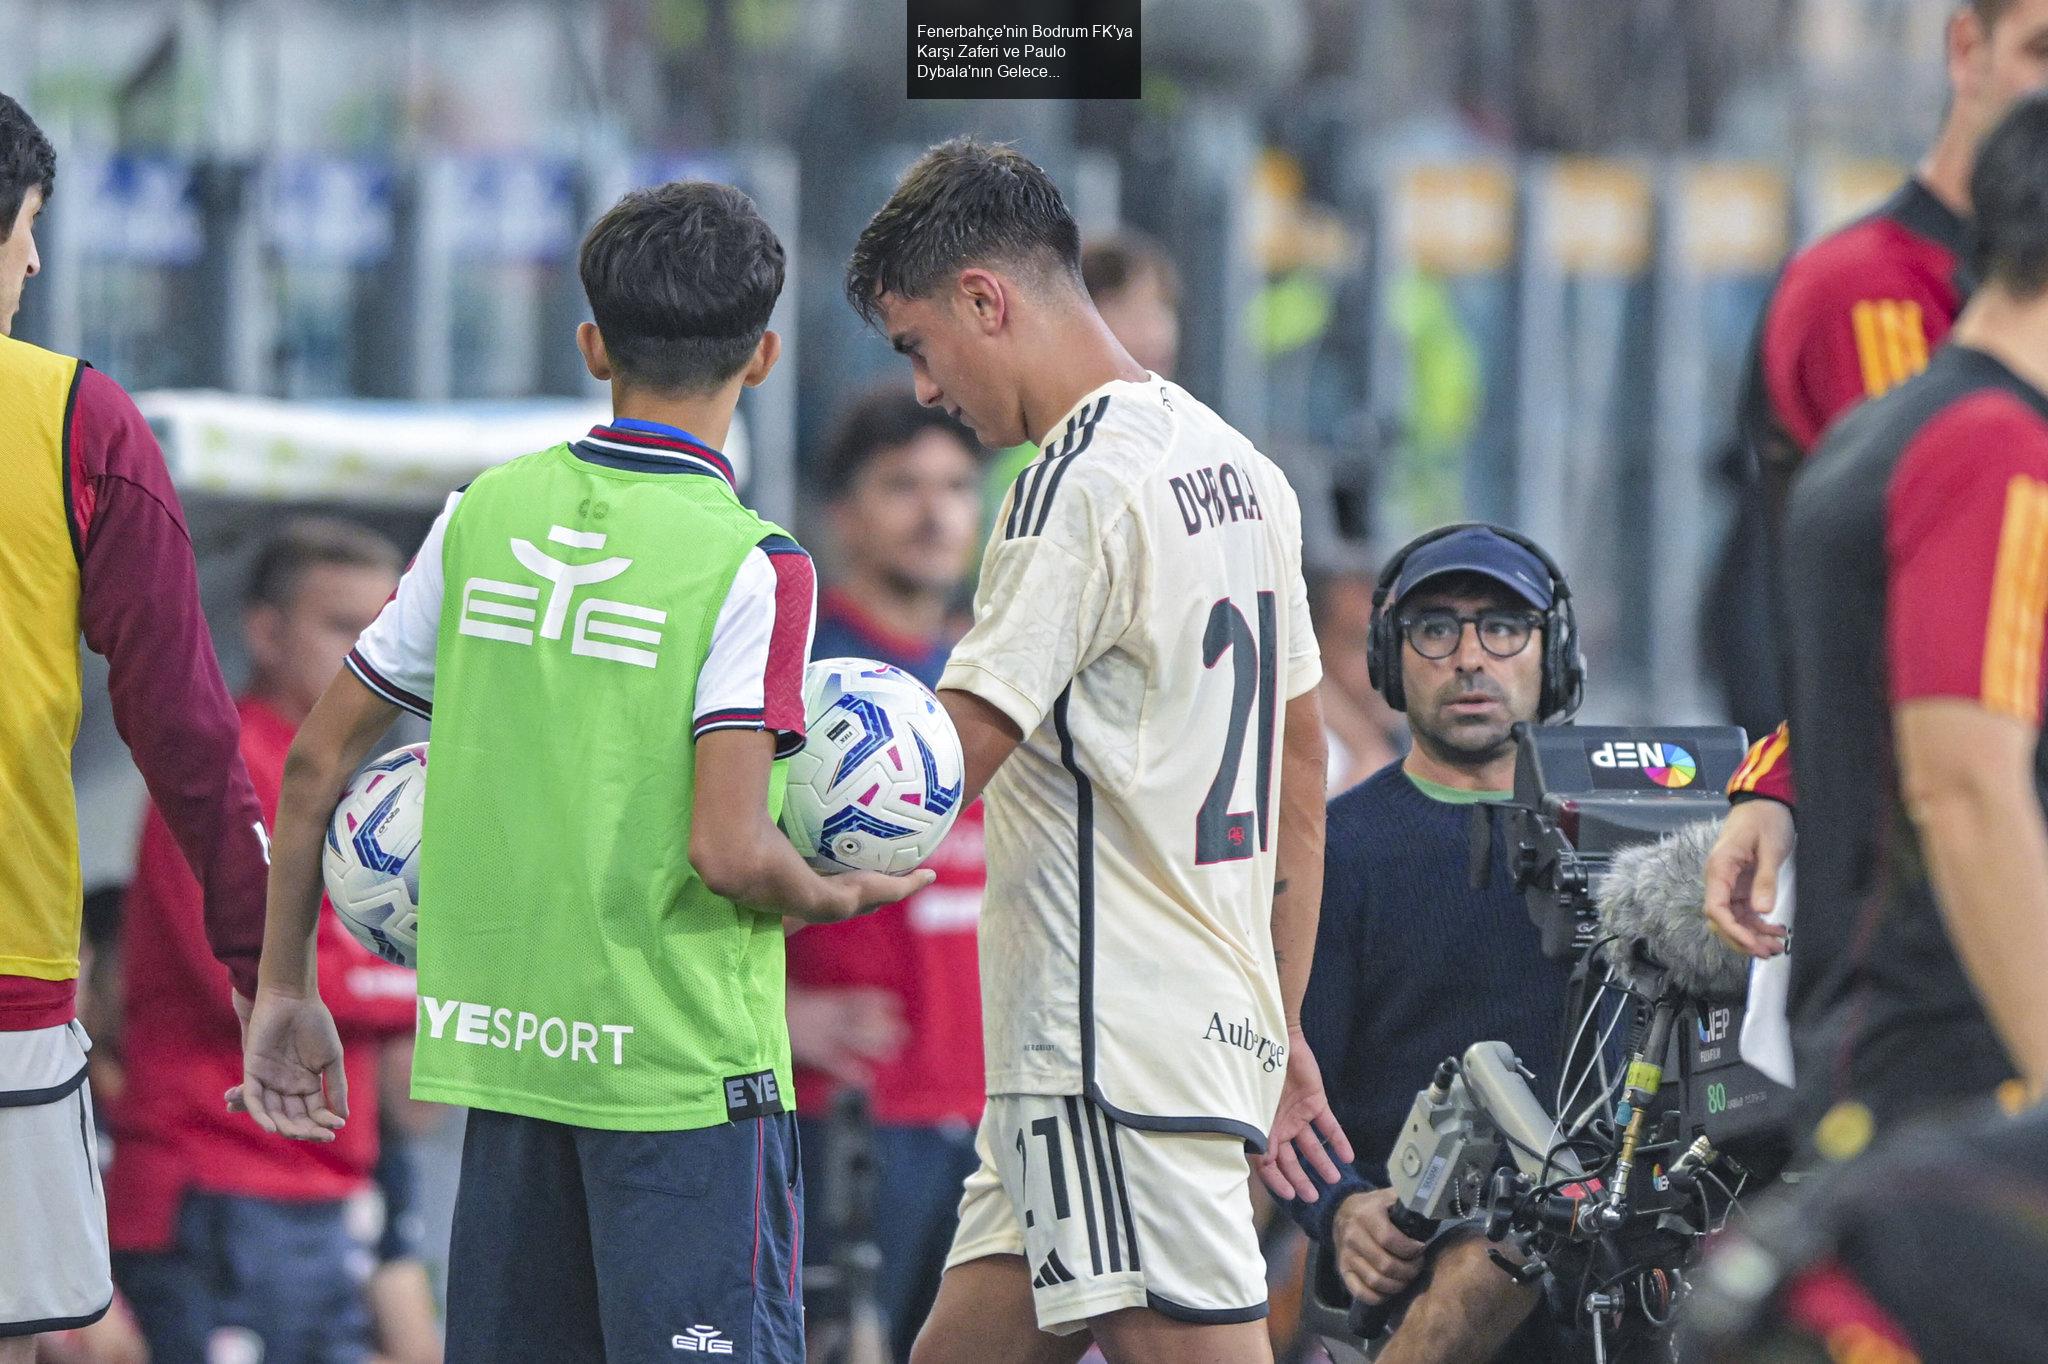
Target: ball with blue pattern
<point>371,860</point>
<point>879,779</point>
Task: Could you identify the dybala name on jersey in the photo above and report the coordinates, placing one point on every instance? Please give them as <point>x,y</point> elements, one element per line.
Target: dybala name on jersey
<point>1212,496</point>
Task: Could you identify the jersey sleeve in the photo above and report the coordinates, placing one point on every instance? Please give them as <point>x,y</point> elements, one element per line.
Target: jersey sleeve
<point>395,656</point>
<point>1845,325</point>
<point>139,608</point>
<point>1966,545</point>
<point>1304,655</point>
<point>1766,770</point>
<point>753,678</point>
<point>1056,593</point>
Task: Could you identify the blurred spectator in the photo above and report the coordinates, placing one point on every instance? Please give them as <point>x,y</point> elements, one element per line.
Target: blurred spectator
<point>226,1238</point>
<point>1363,732</point>
<point>891,1002</point>
<point>1137,291</point>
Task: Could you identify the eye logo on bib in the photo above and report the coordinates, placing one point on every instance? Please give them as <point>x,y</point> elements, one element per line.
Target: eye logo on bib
<point>1621,763</point>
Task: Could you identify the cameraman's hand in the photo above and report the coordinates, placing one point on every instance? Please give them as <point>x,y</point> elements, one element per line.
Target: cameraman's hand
<point>1742,876</point>
<point>1375,1258</point>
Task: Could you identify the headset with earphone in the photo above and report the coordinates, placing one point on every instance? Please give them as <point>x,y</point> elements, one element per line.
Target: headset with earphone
<point>1564,667</point>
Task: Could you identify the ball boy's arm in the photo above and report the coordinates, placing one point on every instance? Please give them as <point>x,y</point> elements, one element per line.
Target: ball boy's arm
<point>739,853</point>
<point>292,1080</point>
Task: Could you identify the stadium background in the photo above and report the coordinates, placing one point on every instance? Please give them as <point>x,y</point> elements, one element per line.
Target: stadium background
<point>1498,258</point>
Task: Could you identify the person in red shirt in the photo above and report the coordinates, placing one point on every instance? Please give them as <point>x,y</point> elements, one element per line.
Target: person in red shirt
<point>218,1229</point>
<point>93,544</point>
<point>891,1003</point>
<point>1853,315</point>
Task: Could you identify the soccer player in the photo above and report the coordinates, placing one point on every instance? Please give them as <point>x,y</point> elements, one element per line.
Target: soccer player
<point>1916,587</point>
<point>1137,696</point>
<point>1854,314</point>
<point>216,1225</point>
<point>612,649</point>
<point>92,542</point>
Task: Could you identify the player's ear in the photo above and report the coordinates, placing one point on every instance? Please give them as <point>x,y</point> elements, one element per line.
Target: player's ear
<point>985,298</point>
<point>1966,42</point>
<point>262,636</point>
<point>766,353</point>
<point>590,341</point>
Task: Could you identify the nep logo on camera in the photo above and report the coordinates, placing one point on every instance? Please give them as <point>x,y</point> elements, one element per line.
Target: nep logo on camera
<point>1632,764</point>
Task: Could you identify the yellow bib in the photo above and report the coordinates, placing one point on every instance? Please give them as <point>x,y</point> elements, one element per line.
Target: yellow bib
<point>39,705</point>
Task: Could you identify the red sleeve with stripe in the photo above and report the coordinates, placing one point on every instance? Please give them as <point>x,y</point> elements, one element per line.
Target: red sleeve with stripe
<point>789,641</point>
<point>139,608</point>
<point>1966,545</point>
<point>1766,770</point>
<point>1854,316</point>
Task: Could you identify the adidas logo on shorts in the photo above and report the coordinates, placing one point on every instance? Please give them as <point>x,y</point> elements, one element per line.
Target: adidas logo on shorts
<point>1052,1272</point>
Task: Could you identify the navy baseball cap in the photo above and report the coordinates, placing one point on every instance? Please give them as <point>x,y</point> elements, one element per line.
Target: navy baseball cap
<point>1477,550</point>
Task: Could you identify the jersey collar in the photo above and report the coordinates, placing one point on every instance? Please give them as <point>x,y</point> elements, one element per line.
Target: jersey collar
<point>1092,403</point>
<point>626,442</point>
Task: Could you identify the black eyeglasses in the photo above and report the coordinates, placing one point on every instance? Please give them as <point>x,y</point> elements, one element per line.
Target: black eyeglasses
<point>1435,634</point>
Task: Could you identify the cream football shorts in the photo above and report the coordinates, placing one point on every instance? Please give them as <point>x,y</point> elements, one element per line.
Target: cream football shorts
<point>1108,1216</point>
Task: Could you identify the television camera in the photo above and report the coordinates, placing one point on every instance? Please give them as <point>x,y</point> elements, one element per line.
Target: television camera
<point>1602,1197</point>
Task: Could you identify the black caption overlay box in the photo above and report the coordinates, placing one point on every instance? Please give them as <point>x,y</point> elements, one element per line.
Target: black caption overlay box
<point>1022,49</point>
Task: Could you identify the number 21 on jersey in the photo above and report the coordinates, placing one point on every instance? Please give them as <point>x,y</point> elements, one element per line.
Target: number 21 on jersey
<point>1223,834</point>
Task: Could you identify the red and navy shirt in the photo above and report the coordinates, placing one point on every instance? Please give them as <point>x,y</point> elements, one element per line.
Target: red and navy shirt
<point>920,950</point>
<point>1916,566</point>
<point>183,1046</point>
<point>1853,315</point>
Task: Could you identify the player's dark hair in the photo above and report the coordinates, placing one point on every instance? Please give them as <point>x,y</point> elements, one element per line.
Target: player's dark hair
<point>27,161</point>
<point>681,279</point>
<point>311,542</point>
<point>1989,12</point>
<point>963,203</point>
<point>2009,201</point>
<point>1114,263</point>
<point>883,419</point>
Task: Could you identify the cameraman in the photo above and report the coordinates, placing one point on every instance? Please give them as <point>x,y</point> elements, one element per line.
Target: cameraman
<point>1471,633</point>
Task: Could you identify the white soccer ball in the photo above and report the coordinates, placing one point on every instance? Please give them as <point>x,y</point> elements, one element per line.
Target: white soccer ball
<point>371,863</point>
<point>879,780</point>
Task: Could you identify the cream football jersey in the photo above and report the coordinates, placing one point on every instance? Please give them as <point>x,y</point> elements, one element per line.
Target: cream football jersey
<point>1141,615</point>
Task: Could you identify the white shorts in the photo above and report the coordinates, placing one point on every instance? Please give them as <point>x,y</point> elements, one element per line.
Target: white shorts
<point>1108,1216</point>
<point>54,1273</point>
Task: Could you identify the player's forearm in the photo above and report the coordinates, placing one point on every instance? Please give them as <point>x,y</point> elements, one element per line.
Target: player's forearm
<point>1987,853</point>
<point>1298,864</point>
<point>330,746</point>
<point>759,869</point>
<point>987,737</point>
<point>313,782</point>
